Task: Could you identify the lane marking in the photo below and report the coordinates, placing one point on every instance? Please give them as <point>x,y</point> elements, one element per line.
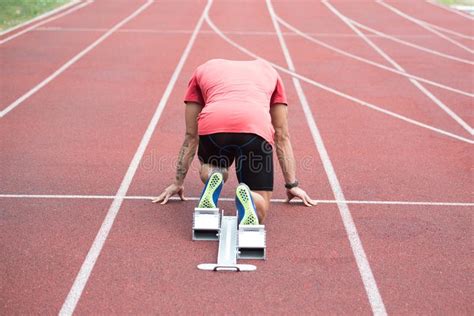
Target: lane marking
<point>228,199</point>
<point>334,91</point>
<point>42,16</point>
<point>205,32</point>
<point>96,248</point>
<point>433,2</point>
<point>449,31</point>
<point>46,21</point>
<point>418,85</point>
<point>415,46</point>
<point>425,26</point>
<point>371,289</point>
<point>72,61</point>
<point>368,61</point>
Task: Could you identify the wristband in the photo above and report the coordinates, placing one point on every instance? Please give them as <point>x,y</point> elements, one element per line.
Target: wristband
<point>290,186</point>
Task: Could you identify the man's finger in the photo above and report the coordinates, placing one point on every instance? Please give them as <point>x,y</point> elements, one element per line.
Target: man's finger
<point>310,200</point>
<point>157,199</point>
<point>165,200</point>
<point>305,200</point>
<point>313,202</point>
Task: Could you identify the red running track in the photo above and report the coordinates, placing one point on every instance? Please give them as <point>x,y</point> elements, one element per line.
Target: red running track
<point>78,135</point>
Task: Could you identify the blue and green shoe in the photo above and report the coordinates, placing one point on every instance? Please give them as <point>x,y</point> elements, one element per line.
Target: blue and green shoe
<point>247,211</point>
<point>212,190</point>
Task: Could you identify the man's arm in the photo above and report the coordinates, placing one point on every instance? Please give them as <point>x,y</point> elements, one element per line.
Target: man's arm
<point>190,143</point>
<point>186,154</point>
<point>284,151</point>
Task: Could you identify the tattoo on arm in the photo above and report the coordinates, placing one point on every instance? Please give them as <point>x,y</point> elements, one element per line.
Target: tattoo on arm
<point>180,170</point>
<point>185,157</point>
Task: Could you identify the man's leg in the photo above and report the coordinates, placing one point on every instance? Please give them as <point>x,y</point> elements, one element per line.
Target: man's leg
<point>262,203</point>
<point>207,169</point>
<point>214,164</point>
<point>260,198</point>
<point>254,167</point>
<point>213,179</point>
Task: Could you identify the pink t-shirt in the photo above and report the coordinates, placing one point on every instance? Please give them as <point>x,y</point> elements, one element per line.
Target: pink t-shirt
<point>236,96</point>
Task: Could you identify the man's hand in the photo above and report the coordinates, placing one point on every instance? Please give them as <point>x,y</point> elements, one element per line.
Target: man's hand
<point>300,193</point>
<point>169,192</point>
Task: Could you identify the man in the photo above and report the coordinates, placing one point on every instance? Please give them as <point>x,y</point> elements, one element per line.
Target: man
<point>237,110</point>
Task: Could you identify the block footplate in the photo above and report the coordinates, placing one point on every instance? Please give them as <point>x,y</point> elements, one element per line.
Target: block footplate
<point>206,223</point>
<point>251,242</point>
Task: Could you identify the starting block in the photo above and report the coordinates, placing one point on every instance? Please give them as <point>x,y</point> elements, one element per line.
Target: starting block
<point>252,242</point>
<point>206,224</point>
<point>246,242</point>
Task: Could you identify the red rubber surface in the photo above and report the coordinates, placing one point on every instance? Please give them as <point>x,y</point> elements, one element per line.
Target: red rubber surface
<point>424,256</point>
<point>384,20</point>
<point>439,17</point>
<point>33,56</point>
<point>360,78</point>
<point>43,244</point>
<point>86,121</point>
<point>153,267</point>
<point>78,135</point>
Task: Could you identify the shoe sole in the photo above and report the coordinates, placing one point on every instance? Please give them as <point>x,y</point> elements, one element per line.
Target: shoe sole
<point>250,216</point>
<point>207,200</point>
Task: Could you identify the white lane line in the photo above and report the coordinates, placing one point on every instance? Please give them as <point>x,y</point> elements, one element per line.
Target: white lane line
<point>449,31</point>
<point>227,199</point>
<point>94,252</point>
<point>42,16</point>
<point>372,291</point>
<point>334,91</point>
<point>433,2</point>
<point>3,41</point>
<point>370,62</point>
<point>418,85</point>
<point>73,60</point>
<point>205,32</point>
<point>415,46</point>
<point>423,25</point>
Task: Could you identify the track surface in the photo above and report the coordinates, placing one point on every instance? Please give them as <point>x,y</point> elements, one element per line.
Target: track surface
<point>79,133</point>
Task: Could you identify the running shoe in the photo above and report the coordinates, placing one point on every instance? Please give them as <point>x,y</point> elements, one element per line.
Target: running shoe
<point>212,190</point>
<point>245,205</point>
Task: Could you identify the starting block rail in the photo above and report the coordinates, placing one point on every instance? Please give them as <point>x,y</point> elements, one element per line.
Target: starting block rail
<point>235,241</point>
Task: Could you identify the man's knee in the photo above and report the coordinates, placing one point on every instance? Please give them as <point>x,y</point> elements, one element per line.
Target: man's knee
<point>207,170</point>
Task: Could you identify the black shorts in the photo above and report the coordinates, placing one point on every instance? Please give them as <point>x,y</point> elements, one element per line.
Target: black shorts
<point>253,157</point>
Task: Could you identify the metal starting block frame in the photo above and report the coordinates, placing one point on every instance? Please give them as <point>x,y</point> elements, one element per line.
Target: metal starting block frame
<point>206,224</point>
<point>247,242</point>
<point>252,242</point>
